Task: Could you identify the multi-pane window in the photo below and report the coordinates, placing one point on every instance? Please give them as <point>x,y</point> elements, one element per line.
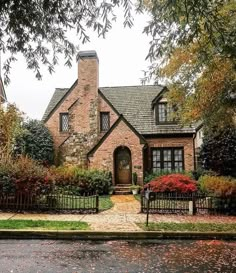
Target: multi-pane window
<point>104,121</point>
<point>164,113</point>
<point>64,122</point>
<point>167,159</point>
<point>156,160</point>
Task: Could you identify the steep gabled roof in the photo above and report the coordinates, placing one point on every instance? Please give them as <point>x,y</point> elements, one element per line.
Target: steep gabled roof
<point>57,98</point>
<point>135,104</point>
<point>2,90</point>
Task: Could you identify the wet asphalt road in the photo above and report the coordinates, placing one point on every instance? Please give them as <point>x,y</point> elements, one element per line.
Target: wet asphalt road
<point>164,256</point>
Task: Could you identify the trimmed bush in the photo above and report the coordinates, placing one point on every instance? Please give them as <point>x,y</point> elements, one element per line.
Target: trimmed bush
<point>219,186</point>
<point>83,181</point>
<point>178,183</point>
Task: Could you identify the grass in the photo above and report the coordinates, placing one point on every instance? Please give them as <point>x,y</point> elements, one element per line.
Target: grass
<point>43,225</point>
<point>200,227</point>
<point>137,197</point>
<point>80,202</point>
<point>105,202</point>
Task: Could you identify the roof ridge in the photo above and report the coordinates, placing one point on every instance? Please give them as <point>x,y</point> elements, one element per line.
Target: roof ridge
<point>143,85</point>
<point>62,88</point>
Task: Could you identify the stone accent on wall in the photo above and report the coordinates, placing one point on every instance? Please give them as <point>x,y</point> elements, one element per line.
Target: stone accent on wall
<point>185,142</point>
<point>83,115</point>
<point>122,135</point>
<point>81,103</point>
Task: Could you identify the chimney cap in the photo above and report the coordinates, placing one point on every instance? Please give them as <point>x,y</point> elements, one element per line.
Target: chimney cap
<point>87,54</point>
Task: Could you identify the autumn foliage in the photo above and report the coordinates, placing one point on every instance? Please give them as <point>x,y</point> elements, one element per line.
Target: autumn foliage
<point>219,186</point>
<point>173,183</point>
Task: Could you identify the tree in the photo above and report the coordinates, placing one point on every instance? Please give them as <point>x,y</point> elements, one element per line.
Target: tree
<point>193,50</point>
<point>38,28</point>
<point>36,142</point>
<point>10,128</point>
<point>218,152</point>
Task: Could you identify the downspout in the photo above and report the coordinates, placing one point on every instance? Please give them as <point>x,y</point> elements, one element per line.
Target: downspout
<point>194,153</point>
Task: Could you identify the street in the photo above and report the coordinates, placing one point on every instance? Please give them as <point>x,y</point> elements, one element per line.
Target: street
<point>159,256</point>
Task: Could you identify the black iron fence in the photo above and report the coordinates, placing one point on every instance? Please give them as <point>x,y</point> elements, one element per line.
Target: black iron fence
<point>58,199</point>
<point>195,203</point>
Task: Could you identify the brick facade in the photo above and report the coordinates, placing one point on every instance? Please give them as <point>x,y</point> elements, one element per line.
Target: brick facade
<point>185,142</point>
<point>122,135</point>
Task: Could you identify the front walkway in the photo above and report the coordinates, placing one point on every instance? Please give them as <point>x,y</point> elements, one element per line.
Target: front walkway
<point>121,217</point>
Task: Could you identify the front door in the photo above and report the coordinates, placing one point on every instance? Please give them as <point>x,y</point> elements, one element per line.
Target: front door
<point>123,165</point>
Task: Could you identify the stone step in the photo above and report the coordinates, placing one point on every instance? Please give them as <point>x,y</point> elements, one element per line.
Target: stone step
<point>122,192</point>
<point>122,188</point>
<point>123,185</point>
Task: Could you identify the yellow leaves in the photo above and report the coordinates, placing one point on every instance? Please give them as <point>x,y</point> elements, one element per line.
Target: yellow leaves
<point>181,57</point>
<point>10,128</point>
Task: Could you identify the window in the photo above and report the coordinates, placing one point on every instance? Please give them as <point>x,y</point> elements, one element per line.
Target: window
<point>167,159</point>
<point>163,114</point>
<point>64,122</point>
<point>104,121</point>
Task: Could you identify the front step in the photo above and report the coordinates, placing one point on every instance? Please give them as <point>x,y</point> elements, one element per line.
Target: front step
<point>122,189</point>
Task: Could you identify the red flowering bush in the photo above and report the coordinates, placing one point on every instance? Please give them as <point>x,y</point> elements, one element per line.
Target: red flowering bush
<point>173,183</point>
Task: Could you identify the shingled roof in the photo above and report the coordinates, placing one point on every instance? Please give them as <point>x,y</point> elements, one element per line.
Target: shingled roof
<point>133,102</point>
<point>56,99</point>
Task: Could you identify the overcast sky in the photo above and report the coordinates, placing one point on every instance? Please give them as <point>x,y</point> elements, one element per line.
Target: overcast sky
<point>121,61</point>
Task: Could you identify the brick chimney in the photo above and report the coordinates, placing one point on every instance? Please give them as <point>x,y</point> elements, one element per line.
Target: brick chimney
<point>88,77</point>
<point>84,115</point>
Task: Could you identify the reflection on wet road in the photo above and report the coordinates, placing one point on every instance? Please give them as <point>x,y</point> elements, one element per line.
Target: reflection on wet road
<point>159,256</point>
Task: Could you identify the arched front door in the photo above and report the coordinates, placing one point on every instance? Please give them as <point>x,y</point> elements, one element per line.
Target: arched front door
<point>122,165</point>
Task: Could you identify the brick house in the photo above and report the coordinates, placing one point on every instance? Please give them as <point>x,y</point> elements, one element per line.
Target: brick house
<point>3,97</point>
<point>125,129</point>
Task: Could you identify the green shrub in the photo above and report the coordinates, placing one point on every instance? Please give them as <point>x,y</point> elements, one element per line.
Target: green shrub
<point>94,181</point>
<point>80,181</point>
<point>26,175</point>
<point>196,174</point>
<point>218,152</point>
<point>36,142</point>
<point>219,186</point>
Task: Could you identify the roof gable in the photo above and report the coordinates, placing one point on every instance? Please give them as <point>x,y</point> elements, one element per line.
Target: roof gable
<point>58,97</point>
<point>121,118</point>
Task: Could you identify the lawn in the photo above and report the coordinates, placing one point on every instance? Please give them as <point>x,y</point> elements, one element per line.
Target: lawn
<point>200,227</point>
<point>79,202</point>
<point>43,225</point>
<point>105,202</point>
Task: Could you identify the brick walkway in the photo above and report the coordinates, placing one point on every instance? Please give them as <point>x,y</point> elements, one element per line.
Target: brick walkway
<point>121,217</point>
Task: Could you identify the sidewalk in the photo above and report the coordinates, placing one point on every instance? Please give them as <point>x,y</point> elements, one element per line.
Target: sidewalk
<point>121,217</point>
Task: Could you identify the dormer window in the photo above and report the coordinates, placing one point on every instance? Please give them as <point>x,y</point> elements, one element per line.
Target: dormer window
<point>104,121</point>
<point>164,113</point>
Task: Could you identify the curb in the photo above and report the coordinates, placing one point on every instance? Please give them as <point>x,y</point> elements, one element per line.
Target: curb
<point>113,235</point>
